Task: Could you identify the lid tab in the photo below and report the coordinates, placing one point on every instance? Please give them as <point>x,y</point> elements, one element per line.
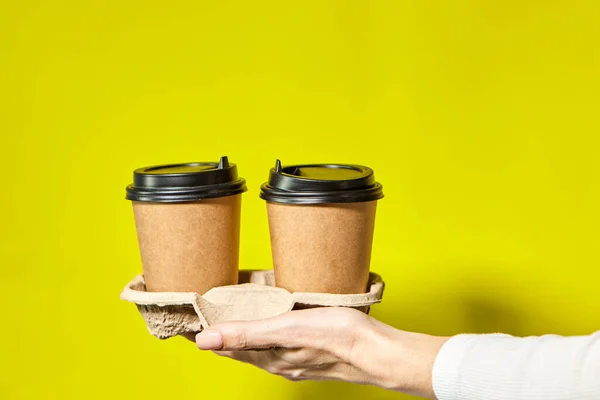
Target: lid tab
<point>223,162</point>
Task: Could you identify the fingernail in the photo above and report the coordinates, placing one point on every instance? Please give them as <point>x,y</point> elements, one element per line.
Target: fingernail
<point>209,340</point>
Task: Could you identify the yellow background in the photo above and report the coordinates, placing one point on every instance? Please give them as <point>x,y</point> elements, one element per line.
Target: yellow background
<point>480,118</point>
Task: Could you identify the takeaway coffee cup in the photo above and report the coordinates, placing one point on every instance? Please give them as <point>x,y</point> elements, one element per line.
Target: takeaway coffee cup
<point>321,222</point>
<point>187,218</point>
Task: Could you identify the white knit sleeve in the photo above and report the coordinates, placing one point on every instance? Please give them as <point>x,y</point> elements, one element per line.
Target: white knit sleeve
<point>503,367</point>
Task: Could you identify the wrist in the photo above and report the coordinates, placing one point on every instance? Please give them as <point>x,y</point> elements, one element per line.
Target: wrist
<point>404,360</point>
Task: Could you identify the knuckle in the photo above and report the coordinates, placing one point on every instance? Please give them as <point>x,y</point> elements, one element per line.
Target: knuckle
<point>347,318</point>
<point>240,339</point>
<point>299,357</point>
<point>296,375</point>
<point>275,370</point>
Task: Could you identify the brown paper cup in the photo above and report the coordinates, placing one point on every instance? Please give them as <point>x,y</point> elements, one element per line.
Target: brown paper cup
<point>324,248</point>
<point>189,247</point>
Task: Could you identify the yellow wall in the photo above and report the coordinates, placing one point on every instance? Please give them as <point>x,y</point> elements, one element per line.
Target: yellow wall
<point>481,119</point>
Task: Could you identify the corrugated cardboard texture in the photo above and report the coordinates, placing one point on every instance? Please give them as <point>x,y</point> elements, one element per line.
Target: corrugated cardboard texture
<point>323,248</point>
<point>169,314</point>
<point>189,247</point>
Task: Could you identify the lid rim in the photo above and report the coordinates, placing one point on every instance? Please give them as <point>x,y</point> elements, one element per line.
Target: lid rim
<point>314,200</point>
<point>198,193</point>
<point>340,196</point>
<point>238,182</point>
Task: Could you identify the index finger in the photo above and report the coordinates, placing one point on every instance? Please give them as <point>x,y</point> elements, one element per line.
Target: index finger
<point>249,335</point>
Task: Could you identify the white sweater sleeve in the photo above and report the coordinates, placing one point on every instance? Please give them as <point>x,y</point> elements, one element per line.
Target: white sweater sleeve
<point>503,367</point>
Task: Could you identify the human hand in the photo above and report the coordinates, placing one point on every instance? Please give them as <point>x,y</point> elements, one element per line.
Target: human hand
<point>329,344</point>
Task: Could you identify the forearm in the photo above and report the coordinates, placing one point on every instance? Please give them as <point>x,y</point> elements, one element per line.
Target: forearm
<point>483,367</point>
<point>498,367</point>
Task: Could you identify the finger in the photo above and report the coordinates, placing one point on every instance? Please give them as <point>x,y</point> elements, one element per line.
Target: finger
<point>243,356</point>
<point>258,359</point>
<point>225,353</point>
<point>249,335</point>
<point>209,340</point>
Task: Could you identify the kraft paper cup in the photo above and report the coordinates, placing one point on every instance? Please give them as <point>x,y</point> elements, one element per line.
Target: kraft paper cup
<point>321,223</point>
<point>187,219</point>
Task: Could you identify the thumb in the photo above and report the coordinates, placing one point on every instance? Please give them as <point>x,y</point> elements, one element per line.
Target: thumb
<point>242,335</point>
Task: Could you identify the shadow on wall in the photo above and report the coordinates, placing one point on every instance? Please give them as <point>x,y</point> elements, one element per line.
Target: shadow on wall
<point>473,307</point>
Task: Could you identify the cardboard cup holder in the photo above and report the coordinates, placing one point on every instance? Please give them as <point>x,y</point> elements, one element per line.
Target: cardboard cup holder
<point>169,314</point>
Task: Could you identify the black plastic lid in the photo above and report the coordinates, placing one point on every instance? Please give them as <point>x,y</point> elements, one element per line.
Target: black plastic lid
<point>321,184</point>
<point>185,182</point>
